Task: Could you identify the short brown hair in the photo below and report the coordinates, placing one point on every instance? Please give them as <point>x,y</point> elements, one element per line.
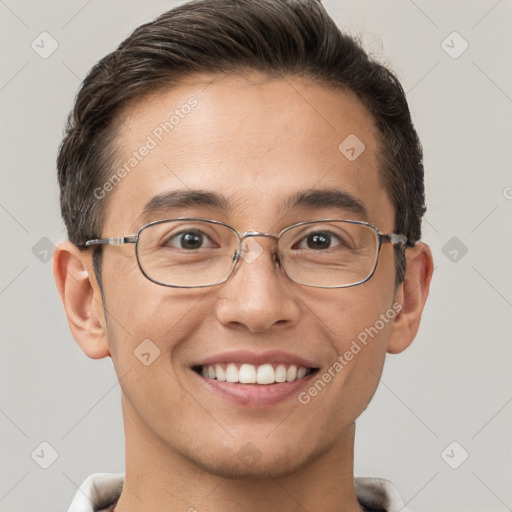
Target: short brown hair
<point>277,37</point>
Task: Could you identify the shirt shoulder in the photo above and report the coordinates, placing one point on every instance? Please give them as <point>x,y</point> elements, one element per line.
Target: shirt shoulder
<point>378,494</point>
<point>98,492</point>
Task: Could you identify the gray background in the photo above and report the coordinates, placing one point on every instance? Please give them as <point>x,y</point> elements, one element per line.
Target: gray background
<point>452,384</point>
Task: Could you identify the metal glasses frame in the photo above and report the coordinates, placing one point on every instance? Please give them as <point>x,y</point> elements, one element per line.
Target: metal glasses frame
<point>391,238</point>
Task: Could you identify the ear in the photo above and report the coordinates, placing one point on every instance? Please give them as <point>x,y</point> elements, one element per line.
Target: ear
<point>81,297</point>
<point>412,294</point>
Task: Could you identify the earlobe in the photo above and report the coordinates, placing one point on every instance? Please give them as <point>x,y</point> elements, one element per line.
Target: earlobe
<point>412,294</point>
<point>81,298</point>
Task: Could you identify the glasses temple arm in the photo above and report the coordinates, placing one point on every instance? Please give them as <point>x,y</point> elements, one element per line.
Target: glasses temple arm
<point>394,239</point>
<point>120,240</point>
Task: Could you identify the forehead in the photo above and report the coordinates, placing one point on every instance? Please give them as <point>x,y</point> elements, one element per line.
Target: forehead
<point>258,142</point>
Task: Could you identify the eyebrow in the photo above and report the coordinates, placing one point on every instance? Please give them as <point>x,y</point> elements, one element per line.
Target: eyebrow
<point>312,198</point>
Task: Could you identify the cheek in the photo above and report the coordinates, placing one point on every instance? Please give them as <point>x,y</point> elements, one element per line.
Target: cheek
<point>357,322</point>
<point>144,317</point>
<point>360,336</point>
<point>343,390</point>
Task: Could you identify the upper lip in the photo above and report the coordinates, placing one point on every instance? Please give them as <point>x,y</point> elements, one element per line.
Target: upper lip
<point>256,358</point>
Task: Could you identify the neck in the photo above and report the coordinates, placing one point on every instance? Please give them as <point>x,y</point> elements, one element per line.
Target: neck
<point>159,479</point>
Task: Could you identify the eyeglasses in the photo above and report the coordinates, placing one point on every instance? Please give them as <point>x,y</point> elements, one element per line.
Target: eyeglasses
<point>196,252</point>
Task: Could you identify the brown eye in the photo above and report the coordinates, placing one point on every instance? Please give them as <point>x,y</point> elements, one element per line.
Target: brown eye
<point>318,240</point>
<point>191,239</point>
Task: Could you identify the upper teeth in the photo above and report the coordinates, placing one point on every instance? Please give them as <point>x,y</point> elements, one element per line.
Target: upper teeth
<point>250,374</point>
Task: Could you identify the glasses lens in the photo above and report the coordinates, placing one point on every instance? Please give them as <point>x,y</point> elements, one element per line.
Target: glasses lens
<point>187,252</point>
<point>330,253</point>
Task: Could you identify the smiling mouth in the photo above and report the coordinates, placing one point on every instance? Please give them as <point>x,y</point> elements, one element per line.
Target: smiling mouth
<point>244,373</point>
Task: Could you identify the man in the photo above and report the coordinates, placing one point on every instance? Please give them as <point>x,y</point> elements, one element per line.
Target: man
<point>243,193</point>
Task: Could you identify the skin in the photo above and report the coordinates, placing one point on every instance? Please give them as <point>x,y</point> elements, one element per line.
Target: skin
<point>255,140</point>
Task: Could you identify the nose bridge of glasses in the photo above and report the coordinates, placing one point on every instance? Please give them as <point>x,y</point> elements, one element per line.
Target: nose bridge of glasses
<point>246,235</point>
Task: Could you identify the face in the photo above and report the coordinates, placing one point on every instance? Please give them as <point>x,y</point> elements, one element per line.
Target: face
<point>256,141</point>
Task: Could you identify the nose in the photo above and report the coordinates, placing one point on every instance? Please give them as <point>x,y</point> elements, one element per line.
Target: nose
<point>259,295</point>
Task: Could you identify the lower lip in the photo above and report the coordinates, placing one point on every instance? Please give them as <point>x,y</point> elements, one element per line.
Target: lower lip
<point>256,394</point>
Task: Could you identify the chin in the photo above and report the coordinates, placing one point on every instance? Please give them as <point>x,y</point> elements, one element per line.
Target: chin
<point>249,463</point>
